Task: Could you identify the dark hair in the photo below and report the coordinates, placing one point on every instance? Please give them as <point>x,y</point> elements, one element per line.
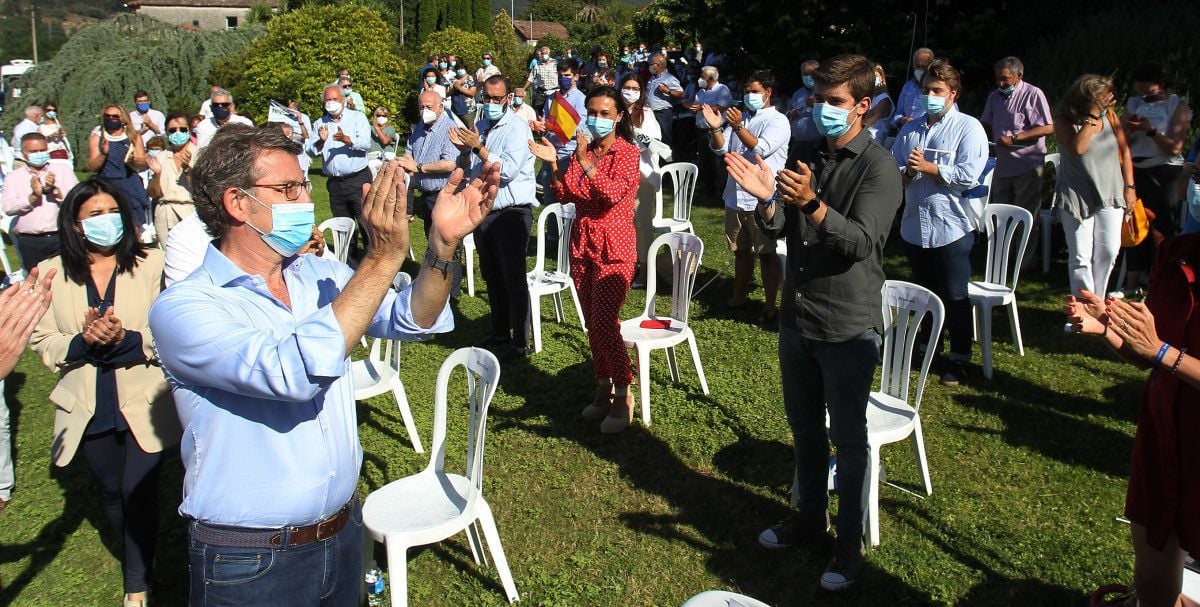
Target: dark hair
<point>141,93</point>
<point>854,70</point>
<point>624,128</point>
<point>940,69</point>
<point>187,117</point>
<point>73,246</point>
<point>767,79</point>
<point>568,65</point>
<point>34,136</point>
<point>1151,72</point>
<point>499,79</point>
<point>157,141</point>
<point>634,116</point>
<point>229,161</point>
<point>425,72</point>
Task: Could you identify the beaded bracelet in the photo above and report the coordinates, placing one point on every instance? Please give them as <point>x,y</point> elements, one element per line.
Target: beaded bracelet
<point>1178,359</point>
<point>1161,353</point>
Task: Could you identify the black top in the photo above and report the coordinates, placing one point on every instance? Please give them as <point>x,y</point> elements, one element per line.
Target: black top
<point>106,359</point>
<point>833,288</point>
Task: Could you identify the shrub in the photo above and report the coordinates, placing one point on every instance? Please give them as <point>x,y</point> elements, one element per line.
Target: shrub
<point>467,46</point>
<point>510,56</point>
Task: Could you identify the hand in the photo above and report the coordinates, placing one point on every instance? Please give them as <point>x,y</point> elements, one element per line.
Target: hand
<point>315,244</point>
<point>664,89</point>
<point>35,186</point>
<point>49,183</point>
<point>734,116</point>
<point>543,151</point>
<point>538,125</point>
<point>350,103</point>
<point>468,137</point>
<point>153,127</point>
<point>756,179</point>
<point>323,133</point>
<point>460,208</point>
<point>1086,313</point>
<point>343,137</point>
<point>903,120</point>
<point>795,187</point>
<point>184,156</point>
<point>581,145</point>
<point>21,307</point>
<point>917,162</point>
<point>1134,324</point>
<point>1006,140</point>
<point>110,326</point>
<point>407,163</point>
<point>384,215</point>
<point>103,146</point>
<point>711,115</point>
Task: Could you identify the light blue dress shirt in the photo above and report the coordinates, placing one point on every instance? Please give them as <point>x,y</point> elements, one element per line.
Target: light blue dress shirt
<point>578,100</point>
<point>263,392</point>
<point>507,142</point>
<point>717,96</point>
<point>337,158</point>
<point>935,213</point>
<point>430,144</point>
<point>773,133</point>
<point>658,100</point>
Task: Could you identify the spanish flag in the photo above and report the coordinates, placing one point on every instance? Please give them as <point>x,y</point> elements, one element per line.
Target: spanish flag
<point>562,119</point>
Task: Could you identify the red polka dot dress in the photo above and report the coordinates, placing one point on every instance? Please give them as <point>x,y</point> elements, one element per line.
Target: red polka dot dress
<point>604,249</point>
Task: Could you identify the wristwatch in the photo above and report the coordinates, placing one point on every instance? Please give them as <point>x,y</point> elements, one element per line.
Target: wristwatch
<point>811,206</point>
<point>447,266</point>
<point>476,149</point>
<point>419,165</point>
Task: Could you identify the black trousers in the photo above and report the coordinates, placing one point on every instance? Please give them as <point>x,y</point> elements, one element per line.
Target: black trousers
<point>666,122</point>
<point>128,480</point>
<point>346,200</point>
<point>33,248</point>
<point>502,239</point>
<point>1156,188</point>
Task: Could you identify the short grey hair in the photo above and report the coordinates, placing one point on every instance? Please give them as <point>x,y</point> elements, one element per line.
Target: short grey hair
<point>813,63</point>
<point>33,111</point>
<point>924,51</point>
<point>335,86</point>
<point>230,161</point>
<point>220,92</point>
<point>1011,64</point>
<point>709,72</point>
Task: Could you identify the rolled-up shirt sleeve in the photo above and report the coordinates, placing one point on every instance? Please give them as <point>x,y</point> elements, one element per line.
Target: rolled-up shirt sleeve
<point>774,138</point>
<point>394,319</point>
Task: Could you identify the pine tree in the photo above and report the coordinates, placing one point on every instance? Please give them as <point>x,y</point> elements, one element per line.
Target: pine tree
<point>482,19</point>
<point>507,49</point>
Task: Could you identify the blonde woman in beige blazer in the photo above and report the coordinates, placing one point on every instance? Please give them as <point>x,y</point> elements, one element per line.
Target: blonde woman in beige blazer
<point>113,403</point>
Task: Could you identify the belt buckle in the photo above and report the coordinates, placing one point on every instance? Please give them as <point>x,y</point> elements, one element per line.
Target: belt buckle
<point>277,539</point>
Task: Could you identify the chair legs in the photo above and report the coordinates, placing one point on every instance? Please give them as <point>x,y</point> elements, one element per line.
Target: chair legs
<point>578,308</point>
<point>673,364</point>
<point>558,307</point>
<point>535,321</point>
<point>873,496</point>
<point>643,364</point>
<point>493,542</point>
<point>469,270</point>
<point>696,359</point>
<point>985,338</point>
<point>918,443</point>
<point>398,572</point>
<point>1046,221</point>
<point>476,544</point>
<point>406,413</point>
<point>1014,321</point>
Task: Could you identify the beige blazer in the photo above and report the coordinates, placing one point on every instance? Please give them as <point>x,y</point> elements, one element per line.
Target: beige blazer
<point>142,391</point>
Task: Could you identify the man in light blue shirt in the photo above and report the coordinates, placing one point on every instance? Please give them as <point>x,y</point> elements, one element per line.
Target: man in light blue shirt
<point>662,92</point>
<point>256,344</point>
<point>942,156</point>
<point>429,157</point>
<point>805,136</point>
<point>342,138</point>
<point>908,105</point>
<point>503,236</point>
<point>709,91</point>
<point>760,131</point>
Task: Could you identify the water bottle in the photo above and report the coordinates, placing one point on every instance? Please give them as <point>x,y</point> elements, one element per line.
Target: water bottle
<point>374,581</point>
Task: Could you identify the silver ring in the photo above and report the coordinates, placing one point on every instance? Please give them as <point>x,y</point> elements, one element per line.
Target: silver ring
<point>1125,326</point>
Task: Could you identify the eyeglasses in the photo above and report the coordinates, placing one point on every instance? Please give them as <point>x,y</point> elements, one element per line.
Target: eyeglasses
<point>499,99</point>
<point>290,189</point>
<point>223,104</point>
<point>179,129</point>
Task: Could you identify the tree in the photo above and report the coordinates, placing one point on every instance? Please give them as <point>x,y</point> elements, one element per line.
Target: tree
<point>482,19</point>
<point>467,46</point>
<point>558,11</point>
<point>260,13</point>
<point>297,57</point>
<point>508,53</point>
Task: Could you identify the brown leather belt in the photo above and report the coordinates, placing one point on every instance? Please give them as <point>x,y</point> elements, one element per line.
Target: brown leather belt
<point>241,537</point>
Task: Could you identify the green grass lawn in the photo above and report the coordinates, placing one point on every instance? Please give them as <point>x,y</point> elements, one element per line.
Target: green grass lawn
<point>1028,471</point>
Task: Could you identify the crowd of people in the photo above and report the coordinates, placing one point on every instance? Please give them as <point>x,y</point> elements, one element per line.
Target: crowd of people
<point>833,169</point>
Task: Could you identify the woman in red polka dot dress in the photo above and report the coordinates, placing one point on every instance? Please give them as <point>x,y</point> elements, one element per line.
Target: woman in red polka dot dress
<point>602,180</point>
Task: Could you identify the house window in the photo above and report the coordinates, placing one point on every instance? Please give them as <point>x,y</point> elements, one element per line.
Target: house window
<point>230,23</point>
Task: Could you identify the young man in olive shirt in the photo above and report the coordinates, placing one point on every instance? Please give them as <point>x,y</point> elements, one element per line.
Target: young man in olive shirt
<point>835,216</point>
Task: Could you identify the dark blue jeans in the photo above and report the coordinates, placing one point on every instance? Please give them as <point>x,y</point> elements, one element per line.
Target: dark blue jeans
<point>326,573</point>
<point>838,376</point>
<point>946,270</point>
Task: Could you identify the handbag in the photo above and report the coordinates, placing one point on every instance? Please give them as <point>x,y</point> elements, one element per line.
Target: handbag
<point>1136,226</point>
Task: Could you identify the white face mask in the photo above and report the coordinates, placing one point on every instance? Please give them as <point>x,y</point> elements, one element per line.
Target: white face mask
<point>630,96</point>
<point>702,83</point>
<point>381,120</point>
<point>919,73</point>
<point>333,107</point>
<point>428,116</point>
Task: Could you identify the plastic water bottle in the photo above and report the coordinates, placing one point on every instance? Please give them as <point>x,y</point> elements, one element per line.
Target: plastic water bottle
<point>374,581</point>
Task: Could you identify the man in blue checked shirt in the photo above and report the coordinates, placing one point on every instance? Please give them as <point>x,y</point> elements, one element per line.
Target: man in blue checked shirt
<point>342,138</point>
<point>256,344</point>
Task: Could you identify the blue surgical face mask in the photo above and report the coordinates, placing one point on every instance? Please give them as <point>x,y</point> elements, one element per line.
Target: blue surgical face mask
<point>143,107</point>
<point>754,101</point>
<point>487,62</point>
<point>431,79</point>
<point>518,101</point>
<point>291,226</point>
<point>831,121</point>
<point>494,111</point>
<point>442,65</point>
<point>1194,200</point>
<point>565,82</point>
<point>153,153</point>
<point>808,82</point>
<point>104,231</point>
<point>1007,90</point>
<point>38,159</point>
<point>52,114</point>
<point>178,139</point>
<point>599,127</point>
<point>934,105</point>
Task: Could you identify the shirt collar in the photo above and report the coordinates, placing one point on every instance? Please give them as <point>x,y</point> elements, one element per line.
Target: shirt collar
<point>854,147</point>
<point>224,272</point>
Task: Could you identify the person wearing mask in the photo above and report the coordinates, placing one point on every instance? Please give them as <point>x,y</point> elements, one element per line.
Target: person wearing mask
<point>487,67</point>
<point>763,132</point>
<point>206,107</point>
<point>568,88</point>
<point>57,141</point>
<point>940,157</point>
<point>1156,124</point>
<point>641,57</point>
<point>602,182</point>
<point>34,116</point>
<point>711,92</point>
<point>117,155</point>
<point>648,138</point>
<point>170,168</point>
<point>462,93</point>
<point>878,120</point>
<point>836,217</point>
<point>223,113</point>
<point>603,73</point>
<point>663,91</point>
<point>445,72</point>
<point>147,121</point>
<point>261,372</point>
<point>304,124</point>
<point>342,140</point>
<point>430,63</point>
<point>383,140</point>
<point>430,81</point>
<point>805,136</point>
<point>32,193</point>
<point>354,100</point>
<point>1019,119</point>
<point>908,105</point>
<point>521,108</point>
<point>429,157</point>
<point>114,405</point>
<point>1094,184</point>
<point>543,77</point>
<point>503,236</point>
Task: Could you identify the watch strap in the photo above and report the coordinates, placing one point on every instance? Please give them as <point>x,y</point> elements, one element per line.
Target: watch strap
<point>811,206</point>
<point>447,266</point>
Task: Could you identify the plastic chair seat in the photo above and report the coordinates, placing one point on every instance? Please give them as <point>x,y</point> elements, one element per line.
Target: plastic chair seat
<point>889,419</point>
<point>670,224</point>
<point>1003,223</point>
<point>370,378</point>
<point>989,293</point>
<point>547,282</point>
<point>552,283</point>
<point>633,333</point>
<point>426,508</point>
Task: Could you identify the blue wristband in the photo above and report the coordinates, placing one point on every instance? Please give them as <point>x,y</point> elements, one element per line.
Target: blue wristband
<point>1161,353</point>
<point>768,202</point>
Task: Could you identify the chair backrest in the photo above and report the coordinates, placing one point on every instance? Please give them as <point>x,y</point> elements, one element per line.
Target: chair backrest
<point>686,252</point>
<point>1052,159</point>
<point>483,375</point>
<point>683,178</point>
<point>977,197</point>
<point>343,233</point>
<point>385,353</point>
<point>564,215</point>
<point>1003,222</point>
<point>905,306</point>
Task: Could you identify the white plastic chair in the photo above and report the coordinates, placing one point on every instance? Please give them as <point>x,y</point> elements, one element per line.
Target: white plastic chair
<point>999,284</point>
<point>1046,219</point>
<point>682,176</point>
<point>433,504</point>
<point>468,243</point>
<point>686,252</point>
<point>721,598</point>
<point>380,372</point>
<point>891,416</point>
<point>781,253</point>
<point>552,282</point>
<point>342,229</point>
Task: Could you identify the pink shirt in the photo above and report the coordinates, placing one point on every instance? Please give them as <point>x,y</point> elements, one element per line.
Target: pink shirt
<point>40,218</point>
<point>1024,109</point>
